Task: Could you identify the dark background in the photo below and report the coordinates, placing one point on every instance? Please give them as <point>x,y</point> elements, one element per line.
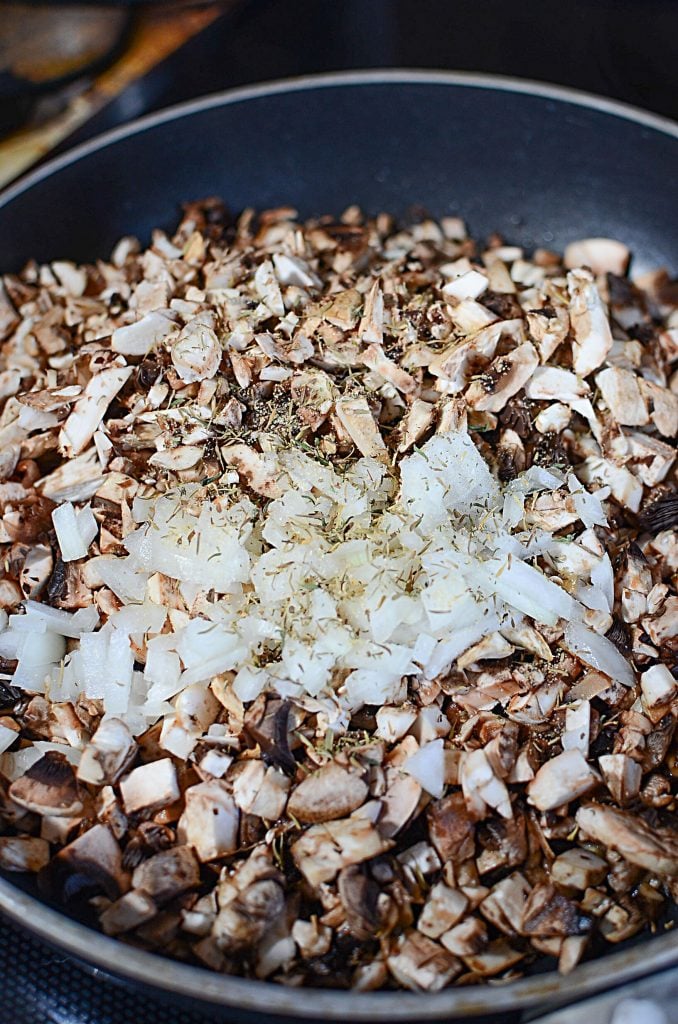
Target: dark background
<point>626,49</point>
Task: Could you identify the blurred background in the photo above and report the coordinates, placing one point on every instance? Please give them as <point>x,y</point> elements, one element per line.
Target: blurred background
<point>71,70</point>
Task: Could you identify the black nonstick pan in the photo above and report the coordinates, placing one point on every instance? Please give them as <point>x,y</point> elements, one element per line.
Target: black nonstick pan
<point>541,165</point>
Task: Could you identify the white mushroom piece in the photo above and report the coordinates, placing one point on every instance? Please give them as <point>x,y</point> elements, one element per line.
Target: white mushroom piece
<point>150,786</point>
<point>601,255</point>
<point>108,754</point>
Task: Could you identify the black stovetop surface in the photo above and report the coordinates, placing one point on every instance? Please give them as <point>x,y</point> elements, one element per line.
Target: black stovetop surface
<point>624,49</point>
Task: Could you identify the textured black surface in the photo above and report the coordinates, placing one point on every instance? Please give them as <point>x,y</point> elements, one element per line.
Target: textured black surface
<point>39,986</point>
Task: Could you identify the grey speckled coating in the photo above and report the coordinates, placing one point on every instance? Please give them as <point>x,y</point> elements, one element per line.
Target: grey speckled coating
<point>542,165</point>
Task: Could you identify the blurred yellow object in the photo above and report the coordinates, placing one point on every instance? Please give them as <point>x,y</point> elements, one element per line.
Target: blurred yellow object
<point>158,33</point>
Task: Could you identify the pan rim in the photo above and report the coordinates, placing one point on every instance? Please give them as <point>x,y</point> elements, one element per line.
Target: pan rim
<point>168,977</point>
<point>172,977</point>
<point>403,76</point>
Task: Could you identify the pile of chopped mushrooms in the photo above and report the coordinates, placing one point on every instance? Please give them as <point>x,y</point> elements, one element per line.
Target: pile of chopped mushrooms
<point>339,619</point>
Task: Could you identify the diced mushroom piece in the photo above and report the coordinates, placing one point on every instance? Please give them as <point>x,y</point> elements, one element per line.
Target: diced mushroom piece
<point>499,956</point>
<point>261,791</point>
<point>393,722</point>
<point>139,338</point>
<point>549,383</point>
<point>503,378</point>
<point>481,787</point>
<point>452,828</point>
<point>590,325</point>
<point>503,842</point>
<point>663,407</point>
<point>420,964</point>
<point>577,731</point>
<point>329,793</point>
<point>622,776</point>
<point>655,850</point>
<point>651,459</point>
<point>199,919</point>
<point>109,752</point>
<point>48,787</point>
<point>23,853</point>
<point>312,938</point>
<point>547,912</point>
<point>419,860</point>
<point>258,471</point>
<point>601,255</point>
<point>130,911</point>
<point>469,285</point>
<point>554,419</point>
<point>623,397</point>
<point>91,863</point>
<point>443,909</point>
<point>658,687</point>
<point>196,708</point>
<point>356,418</point>
<point>252,908</point>
<point>267,288</point>
<point>374,358</point>
<point>571,951</point>
<point>562,779</point>
<point>371,327</point>
<point>323,850</point>
<point>467,938</point>
<point>167,874</point>
<point>364,906</point>
<point>549,328</point>
<point>88,411</point>
<point>314,392</point>
<point>399,803</point>
<point>454,361</point>
<point>196,352</point>
<point>663,627</point>
<point>504,907</point>
<point>578,869</point>
<point>150,786</point>
<point>210,821</point>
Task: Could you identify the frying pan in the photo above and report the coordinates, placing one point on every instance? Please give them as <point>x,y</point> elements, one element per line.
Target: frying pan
<point>541,165</point>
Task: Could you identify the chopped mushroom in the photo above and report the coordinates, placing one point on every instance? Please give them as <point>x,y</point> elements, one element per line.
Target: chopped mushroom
<point>150,786</point>
<point>23,853</point>
<point>323,850</point>
<point>210,821</point>
<point>107,755</point>
<point>562,779</point>
<point>355,417</point>
<point>167,874</point>
<point>48,787</point>
<point>419,963</point>
<point>331,792</point>
<point>339,578</point>
<point>654,850</point>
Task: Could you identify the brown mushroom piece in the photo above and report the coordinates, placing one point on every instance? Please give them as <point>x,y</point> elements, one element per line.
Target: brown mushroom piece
<point>23,853</point>
<point>249,903</point>
<point>329,793</point>
<point>49,787</point>
<point>451,828</point>
<point>91,864</point>
<point>108,754</point>
<point>360,899</point>
<point>168,874</point>
<point>652,849</point>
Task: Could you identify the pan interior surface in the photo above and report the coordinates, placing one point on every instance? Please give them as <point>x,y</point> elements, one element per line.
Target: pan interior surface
<point>541,166</point>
